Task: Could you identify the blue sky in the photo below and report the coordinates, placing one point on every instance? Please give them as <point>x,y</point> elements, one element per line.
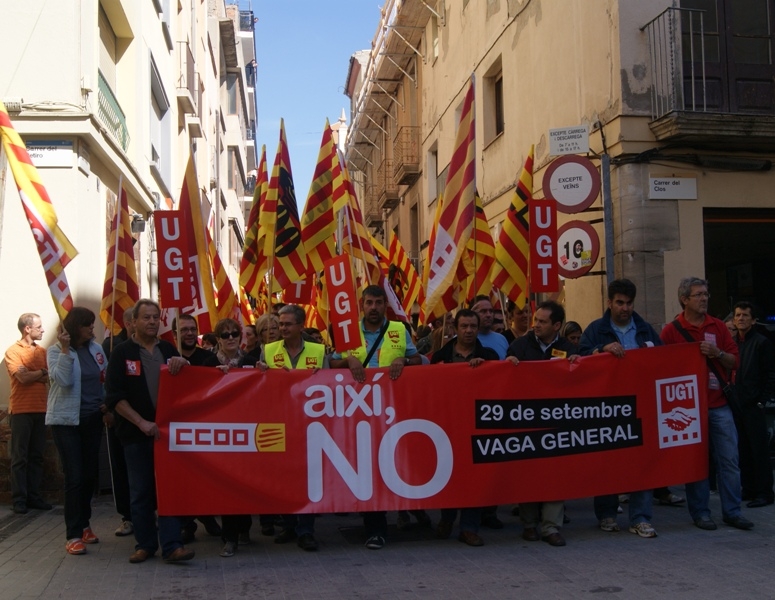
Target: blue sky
<point>303,49</point>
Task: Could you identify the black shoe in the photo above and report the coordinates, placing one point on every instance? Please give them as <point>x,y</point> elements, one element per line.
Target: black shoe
<point>39,505</point>
<point>307,542</point>
<point>705,523</point>
<point>740,522</point>
<point>285,536</point>
<point>375,542</point>
<point>20,508</point>
<point>229,548</point>
<point>758,503</point>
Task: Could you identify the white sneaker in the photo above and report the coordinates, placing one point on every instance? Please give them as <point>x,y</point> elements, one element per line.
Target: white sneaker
<point>125,528</point>
<point>644,530</point>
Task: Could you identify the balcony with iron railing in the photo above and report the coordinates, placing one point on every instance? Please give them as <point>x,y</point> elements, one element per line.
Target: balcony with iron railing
<point>371,213</point>
<point>388,188</point>
<point>110,114</point>
<point>406,155</point>
<point>188,80</point>
<point>694,100</point>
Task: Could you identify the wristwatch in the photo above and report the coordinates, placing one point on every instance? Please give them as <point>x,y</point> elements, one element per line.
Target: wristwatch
<point>720,355</point>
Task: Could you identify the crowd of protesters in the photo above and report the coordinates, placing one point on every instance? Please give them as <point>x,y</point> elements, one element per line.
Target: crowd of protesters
<point>81,388</point>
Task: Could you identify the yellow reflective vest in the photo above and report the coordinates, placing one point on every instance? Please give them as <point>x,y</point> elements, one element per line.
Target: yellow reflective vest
<point>393,345</point>
<point>311,357</point>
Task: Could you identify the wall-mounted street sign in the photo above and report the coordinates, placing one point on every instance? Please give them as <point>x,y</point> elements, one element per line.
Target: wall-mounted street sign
<point>50,153</point>
<point>672,188</point>
<point>578,247</point>
<point>573,181</point>
<point>569,140</point>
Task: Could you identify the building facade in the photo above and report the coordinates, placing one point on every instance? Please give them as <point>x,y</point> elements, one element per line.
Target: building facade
<point>668,90</point>
<point>116,92</point>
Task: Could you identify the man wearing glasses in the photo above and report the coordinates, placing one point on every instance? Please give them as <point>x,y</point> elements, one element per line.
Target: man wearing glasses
<point>694,324</point>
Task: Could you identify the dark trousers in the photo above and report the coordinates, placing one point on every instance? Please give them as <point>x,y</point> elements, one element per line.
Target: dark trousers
<point>79,449</point>
<point>142,496</point>
<point>301,524</point>
<point>753,445</point>
<point>119,476</point>
<point>375,523</point>
<point>233,525</point>
<point>28,441</point>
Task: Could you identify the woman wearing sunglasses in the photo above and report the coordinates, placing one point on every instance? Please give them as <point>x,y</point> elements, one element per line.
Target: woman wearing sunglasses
<point>231,356</point>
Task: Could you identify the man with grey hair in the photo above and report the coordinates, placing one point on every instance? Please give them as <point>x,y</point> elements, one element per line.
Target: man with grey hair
<point>26,364</point>
<point>694,324</point>
<point>292,351</point>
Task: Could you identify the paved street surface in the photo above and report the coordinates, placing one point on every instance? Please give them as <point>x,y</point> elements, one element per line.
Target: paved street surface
<point>683,562</point>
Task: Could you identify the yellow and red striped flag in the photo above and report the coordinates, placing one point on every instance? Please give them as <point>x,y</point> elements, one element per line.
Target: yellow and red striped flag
<point>327,196</point>
<point>253,252</point>
<point>481,250</point>
<point>512,251</point>
<point>290,260</point>
<point>226,303</point>
<point>448,259</point>
<point>246,311</point>
<point>403,276</point>
<point>120,290</point>
<point>54,248</point>
<point>203,309</point>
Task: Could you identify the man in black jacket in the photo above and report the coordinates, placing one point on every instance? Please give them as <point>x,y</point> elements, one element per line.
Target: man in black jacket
<point>543,343</point>
<point>465,347</point>
<point>132,384</point>
<point>755,384</point>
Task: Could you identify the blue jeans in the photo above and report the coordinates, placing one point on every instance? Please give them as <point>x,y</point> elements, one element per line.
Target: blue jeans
<point>723,437</point>
<point>142,499</point>
<point>79,449</point>
<point>640,507</point>
<point>28,441</point>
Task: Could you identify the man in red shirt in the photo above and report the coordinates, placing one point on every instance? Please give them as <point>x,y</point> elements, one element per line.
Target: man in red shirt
<point>720,350</point>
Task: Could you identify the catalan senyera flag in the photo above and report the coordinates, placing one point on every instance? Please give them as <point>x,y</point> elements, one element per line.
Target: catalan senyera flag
<point>120,290</point>
<point>358,242</point>
<point>290,260</point>
<point>227,306</point>
<point>481,250</point>
<point>253,251</point>
<point>204,309</point>
<point>54,248</point>
<point>512,251</point>
<point>456,221</point>
<point>402,273</point>
<point>327,196</point>
<point>246,311</point>
<point>449,300</point>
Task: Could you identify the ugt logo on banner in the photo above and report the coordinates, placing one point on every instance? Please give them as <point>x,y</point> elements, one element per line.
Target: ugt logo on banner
<point>543,246</point>
<point>172,244</point>
<point>343,310</point>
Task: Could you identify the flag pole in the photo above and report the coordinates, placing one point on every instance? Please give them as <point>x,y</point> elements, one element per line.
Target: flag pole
<point>117,224</point>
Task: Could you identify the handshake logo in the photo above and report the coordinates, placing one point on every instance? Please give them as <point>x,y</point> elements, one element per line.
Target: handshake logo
<point>678,411</point>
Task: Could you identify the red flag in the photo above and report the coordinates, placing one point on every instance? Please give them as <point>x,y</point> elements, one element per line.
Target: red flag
<point>253,263</point>
<point>481,250</point>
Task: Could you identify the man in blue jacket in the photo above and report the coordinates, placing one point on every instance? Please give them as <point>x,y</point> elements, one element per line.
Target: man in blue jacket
<point>621,329</point>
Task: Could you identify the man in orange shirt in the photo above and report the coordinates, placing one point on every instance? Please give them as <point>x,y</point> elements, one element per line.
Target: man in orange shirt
<point>26,363</point>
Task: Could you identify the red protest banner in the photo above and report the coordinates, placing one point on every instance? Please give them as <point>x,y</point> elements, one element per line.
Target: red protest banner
<point>543,246</point>
<point>299,292</point>
<point>343,308</point>
<point>319,442</point>
<point>172,245</point>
